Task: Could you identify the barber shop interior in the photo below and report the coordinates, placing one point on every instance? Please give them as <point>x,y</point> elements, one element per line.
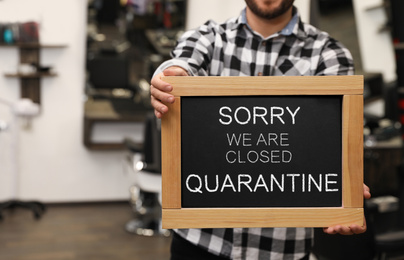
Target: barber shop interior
<point>89,170</point>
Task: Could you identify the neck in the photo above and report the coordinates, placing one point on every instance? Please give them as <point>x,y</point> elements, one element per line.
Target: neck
<point>267,27</point>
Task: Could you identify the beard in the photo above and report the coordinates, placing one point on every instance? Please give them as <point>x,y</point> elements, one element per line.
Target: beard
<point>269,14</point>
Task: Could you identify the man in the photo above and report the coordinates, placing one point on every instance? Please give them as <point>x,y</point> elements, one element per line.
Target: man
<point>267,39</point>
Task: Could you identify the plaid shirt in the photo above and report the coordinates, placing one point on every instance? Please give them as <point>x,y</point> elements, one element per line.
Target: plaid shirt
<point>234,49</point>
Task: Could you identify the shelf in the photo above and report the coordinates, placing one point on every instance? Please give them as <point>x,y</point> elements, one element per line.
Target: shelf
<point>30,76</point>
<point>103,111</point>
<point>33,45</point>
<point>30,54</point>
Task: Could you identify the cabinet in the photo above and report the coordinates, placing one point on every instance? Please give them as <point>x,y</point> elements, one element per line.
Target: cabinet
<point>30,83</point>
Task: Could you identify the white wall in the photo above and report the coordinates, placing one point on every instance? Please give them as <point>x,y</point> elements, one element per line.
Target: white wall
<point>376,46</point>
<point>54,166</point>
<point>304,9</point>
<point>200,11</point>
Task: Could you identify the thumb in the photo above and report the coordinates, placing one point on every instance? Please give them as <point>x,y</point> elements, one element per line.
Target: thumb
<point>175,71</point>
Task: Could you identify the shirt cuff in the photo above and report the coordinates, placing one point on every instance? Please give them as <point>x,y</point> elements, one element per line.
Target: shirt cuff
<point>173,62</point>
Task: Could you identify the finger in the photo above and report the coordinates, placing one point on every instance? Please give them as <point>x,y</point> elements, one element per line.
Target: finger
<point>159,84</point>
<point>157,114</point>
<point>357,229</point>
<point>161,96</point>
<point>366,187</point>
<point>159,107</point>
<point>343,230</point>
<point>338,230</point>
<point>175,71</point>
<point>366,192</point>
<point>329,230</point>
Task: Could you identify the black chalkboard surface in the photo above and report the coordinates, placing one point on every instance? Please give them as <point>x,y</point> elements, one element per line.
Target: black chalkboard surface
<point>261,151</point>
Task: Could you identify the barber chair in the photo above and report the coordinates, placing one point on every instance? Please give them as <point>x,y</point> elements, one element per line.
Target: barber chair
<point>144,160</point>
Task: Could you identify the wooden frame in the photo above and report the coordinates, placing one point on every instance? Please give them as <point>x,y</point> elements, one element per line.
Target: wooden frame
<point>351,212</point>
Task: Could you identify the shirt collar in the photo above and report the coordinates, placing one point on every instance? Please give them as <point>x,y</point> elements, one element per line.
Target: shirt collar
<point>293,27</point>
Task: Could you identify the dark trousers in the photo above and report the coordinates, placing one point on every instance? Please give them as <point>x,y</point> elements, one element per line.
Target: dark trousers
<point>181,249</point>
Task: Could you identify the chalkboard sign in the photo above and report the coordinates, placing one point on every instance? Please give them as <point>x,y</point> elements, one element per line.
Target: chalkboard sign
<point>263,152</point>
<point>271,151</point>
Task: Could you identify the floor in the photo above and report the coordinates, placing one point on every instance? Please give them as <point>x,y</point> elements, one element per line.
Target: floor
<point>77,232</point>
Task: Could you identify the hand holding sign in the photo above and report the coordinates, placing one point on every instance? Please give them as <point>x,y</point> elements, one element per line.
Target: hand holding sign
<point>160,89</point>
<point>352,229</point>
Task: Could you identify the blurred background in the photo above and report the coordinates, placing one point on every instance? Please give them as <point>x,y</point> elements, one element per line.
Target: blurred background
<point>80,149</point>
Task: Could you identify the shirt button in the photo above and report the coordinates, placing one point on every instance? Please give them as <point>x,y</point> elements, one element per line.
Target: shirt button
<point>259,74</point>
<point>264,43</point>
